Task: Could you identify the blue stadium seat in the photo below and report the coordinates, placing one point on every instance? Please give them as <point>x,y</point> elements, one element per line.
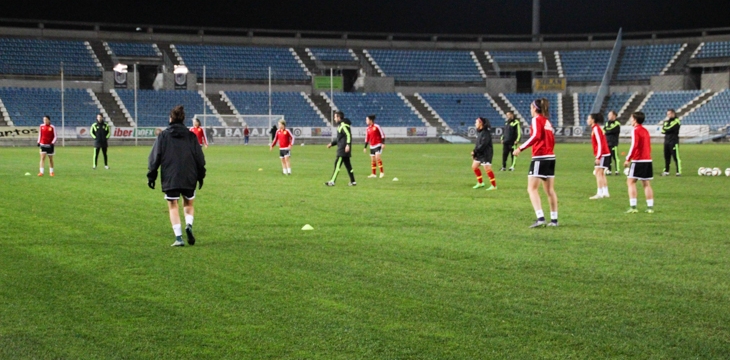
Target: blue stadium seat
<point>296,110</point>
<point>514,57</point>
<point>522,103</point>
<point>133,49</point>
<point>715,112</point>
<point>27,106</point>
<point>460,110</point>
<point>44,57</point>
<point>242,63</point>
<point>644,61</point>
<point>585,104</point>
<point>332,54</point>
<point>616,102</point>
<point>390,109</point>
<point>656,107</point>
<point>153,107</point>
<point>421,65</point>
<point>585,65</point>
<point>715,49</point>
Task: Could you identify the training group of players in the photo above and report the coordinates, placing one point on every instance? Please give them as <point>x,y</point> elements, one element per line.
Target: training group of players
<point>178,152</point>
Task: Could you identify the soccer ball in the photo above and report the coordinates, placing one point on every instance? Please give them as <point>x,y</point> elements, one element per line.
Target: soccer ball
<point>607,172</point>
<point>727,172</point>
<point>708,171</point>
<point>716,172</point>
<point>626,171</point>
<point>701,171</point>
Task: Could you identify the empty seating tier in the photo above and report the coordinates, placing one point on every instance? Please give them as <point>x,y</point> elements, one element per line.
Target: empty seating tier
<point>644,61</point>
<point>295,108</point>
<point>332,54</point>
<point>616,102</point>
<point>153,107</point>
<point>44,58</point>
<point>241,63</point>
<point>585,104</point>
<point>133,49</point>
<point>389,108</point>
<point>656,107</point>
<point>522,103</point>
<point>460,110</point>
<point>27,106</point>
<point>435,66</point>
<point>585,65</point>
<point>716,49</point>
<point>514,57</point>
<point>715,112</point>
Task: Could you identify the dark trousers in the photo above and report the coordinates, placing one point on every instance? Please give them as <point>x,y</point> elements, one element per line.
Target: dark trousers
<point>507,150</point>
<point>338,163</point>
<point>96,155</point>
<point>614,158</point>
<point>672,151</point>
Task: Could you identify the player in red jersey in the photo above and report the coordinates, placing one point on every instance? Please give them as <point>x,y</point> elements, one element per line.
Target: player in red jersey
<point>601,153</point>
<point>639,160</point>
<point>285,139</point>
<point>46,141</point>
<point>375,137</point>
<point>542,167</point>
<point>199,133</point>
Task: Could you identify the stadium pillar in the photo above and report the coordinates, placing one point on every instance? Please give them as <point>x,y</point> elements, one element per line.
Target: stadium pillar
<point>136,119</point>
<point>535,20</point>
<point>63,109</point>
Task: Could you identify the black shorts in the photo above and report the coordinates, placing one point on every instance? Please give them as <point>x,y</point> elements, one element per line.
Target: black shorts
<point>484,159</point>
<point>376,150</point>
<point>542,168</point>
<point>284,153</point>
<point>174,194</point>
<point>48,150</point>
<point>641,170</point>
<point>605,162</point>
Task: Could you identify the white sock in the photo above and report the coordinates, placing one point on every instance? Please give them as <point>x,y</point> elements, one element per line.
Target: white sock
<point>650,202</point>
<point>632,202</point>
<point>177,229</point>
<point>188,219</point>
<point>599,192</point>
<point>553,215</point>
<point>51,169</point>
<point>284,171</point>
<point>605,191</point>
<point>42,171</point>
<point>288,170</point>
<point>539,214</point>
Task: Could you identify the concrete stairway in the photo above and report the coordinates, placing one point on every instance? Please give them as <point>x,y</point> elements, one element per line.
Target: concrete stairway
<point>112,109</point>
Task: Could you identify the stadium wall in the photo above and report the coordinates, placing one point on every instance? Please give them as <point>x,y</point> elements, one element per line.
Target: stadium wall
<point>716,81</point>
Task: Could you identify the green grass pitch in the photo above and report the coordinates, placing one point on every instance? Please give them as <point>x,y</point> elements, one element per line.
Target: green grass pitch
<point>422,268</point>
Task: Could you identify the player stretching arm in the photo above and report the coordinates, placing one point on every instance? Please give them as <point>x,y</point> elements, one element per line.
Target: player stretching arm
<point>483,153</point>
<point>46,141</point>
<point>178,155</point>
<point>601,155</point>
<point>542,167</point>
<point>375,137</point>
<point>639,160</point>
<point>285,139</point>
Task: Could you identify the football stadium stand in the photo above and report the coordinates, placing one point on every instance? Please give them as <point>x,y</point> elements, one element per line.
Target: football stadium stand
<point>584,65</point>
<point>47,56</point>
<point>714,113</point>
<point>583,106</point>
<point>617,102</point>
<point>715,49</point>
<point>656,104</point>
<point>331,54</point>
<point>153,107</point>
<point>460,110</point>
<point>240,62</point>
<point>521,102</point>
<point>515,57</point>
<point>293,105</point>
<point>644,61</point>
<point>27,106</point>
<point>133,49</point>
<point>390,109</point>
<point>420,65</point>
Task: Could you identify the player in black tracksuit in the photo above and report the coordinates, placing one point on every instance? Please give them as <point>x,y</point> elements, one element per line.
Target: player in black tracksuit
<point>180,158</point>
<point>670,129</point>
<point>612,129</point>
<point>483,153</point>
<point>101,132</point>
<point>511,137</point>
<point>344,147</point>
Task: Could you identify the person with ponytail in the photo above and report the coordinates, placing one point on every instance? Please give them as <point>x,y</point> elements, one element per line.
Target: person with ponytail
<point>483,153</point>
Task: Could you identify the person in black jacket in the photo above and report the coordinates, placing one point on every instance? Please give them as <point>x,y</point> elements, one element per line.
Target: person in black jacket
<point>179,156</point>
<point>100,132</point>
<point>344,144</point>
<point>483,153</point>
<point>612,129</point>
<point>670,129</point>
<point>510,139</point>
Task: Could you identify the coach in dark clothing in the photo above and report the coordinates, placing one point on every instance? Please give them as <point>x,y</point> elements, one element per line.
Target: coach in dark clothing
<point>344,145</point>
<point>612,129</point>
<point>178,154</point>
<point>511,137</point>
<point>101,132</point>
<point>670,129</point>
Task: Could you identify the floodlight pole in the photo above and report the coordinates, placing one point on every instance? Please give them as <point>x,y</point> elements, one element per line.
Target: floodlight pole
<point>269,97</point>
<point>535,20</point>
<point>63,109</point>
<point>332,98</point>
<point>136,119</point>
<point>205,106</point>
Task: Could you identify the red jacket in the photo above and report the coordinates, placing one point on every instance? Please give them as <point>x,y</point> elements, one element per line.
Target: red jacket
<point>200,134</point>
<point>640,150</point>
<point>47,135</point>
<point>542,138</point>
<point>374,136</point>
<point>284,138</point>
<point>600,146</point>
